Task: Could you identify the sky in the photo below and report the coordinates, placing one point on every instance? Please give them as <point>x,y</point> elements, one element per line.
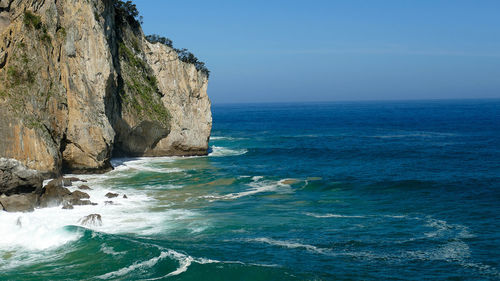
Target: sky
<point>328,50</point>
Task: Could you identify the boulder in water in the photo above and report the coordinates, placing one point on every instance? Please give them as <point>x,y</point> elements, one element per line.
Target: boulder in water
<point>125,196</point>
<point>67,206</point>
<point>80,195</point>
<point>79,202</point>
<point>67,182</point>
<point>84,187</point>
<point>19,202</point>
<point>73,179</point>
<point>91,220</point>
<point>53,194</point>
<point>111,195</point>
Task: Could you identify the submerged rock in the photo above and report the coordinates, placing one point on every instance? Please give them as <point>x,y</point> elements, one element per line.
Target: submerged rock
<point>73,179</point>
<point>111,195</point>
<point>84,187</point>
<point>80,195</point>
<point>67,182</point>
<point>91,220</point>
<point>15,178</point>
<point>78,202</point>
<point>67,206</point>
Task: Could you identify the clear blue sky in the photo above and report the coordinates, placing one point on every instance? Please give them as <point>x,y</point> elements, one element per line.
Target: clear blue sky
<point>268,51</point>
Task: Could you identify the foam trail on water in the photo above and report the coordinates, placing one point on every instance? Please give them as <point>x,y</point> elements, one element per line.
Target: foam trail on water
<point>218,151</point>
<point>108,250</point>
<point>331,215</point>
<point>257,186</point>
<point>145,264</point>
<point>225,138</point>
<point>289,244</point>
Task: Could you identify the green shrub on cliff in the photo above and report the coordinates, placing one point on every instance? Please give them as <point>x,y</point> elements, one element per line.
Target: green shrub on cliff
<point>32,20</point>
<point>141,93</point>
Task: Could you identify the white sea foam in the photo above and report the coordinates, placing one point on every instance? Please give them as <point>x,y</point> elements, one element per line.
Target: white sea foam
<point>451,251</point>
<point>225,138</point>
<point>35,231</point>
<point>219,151</point>
<point>108,250</point>
<point>331,216</point>
<point>416,134</point>
<point>289,244</point>
<point>184,262</point>
<point>138,265</point>
<point>257,186</point>
<point>443,228</point>
<point>140,213</point>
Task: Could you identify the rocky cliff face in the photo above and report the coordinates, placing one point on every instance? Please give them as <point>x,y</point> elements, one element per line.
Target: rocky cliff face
<point>80,83</point>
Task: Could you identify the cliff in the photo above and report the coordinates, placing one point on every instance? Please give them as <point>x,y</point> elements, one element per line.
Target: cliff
<point>80,83</point>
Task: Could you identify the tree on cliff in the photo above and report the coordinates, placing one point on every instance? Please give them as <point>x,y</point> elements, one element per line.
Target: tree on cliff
<point>183,54</point>
<point>155,38</point>
<point>127,10</point>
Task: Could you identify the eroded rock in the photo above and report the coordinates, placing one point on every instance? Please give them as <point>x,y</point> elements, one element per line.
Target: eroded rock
<point>19,202</point>
<point>111,195</point>
<point>84,187</point>
<point>67,206</point>
<point>80,195</point>
<point>15,178</point>
<point>91,220</point>
<point>53,194</point>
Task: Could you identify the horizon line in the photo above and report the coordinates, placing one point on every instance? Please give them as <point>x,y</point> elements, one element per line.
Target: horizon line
<point>360,101</point>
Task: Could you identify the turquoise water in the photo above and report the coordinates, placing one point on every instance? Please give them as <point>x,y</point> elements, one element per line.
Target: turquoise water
<point>332,191</point>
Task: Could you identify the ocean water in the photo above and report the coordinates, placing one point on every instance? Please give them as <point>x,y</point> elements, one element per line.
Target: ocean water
<point>326,191</point>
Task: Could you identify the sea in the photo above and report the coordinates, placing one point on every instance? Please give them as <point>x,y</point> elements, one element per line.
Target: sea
<point>395,190</point>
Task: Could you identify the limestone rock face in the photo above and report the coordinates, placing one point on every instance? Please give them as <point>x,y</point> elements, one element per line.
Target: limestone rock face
<point>16,178</point>
<point>186,99</point>
<point>80,83</point>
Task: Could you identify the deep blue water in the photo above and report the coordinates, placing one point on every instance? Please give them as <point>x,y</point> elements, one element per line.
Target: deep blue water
<point>318,191</point>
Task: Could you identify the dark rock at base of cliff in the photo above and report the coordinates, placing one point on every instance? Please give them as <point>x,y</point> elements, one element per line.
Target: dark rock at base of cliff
<point>67,206</point>
<point>66,182</point>
<point>15,178</point>
<point>80,195</point>
<point>84,187</point>
<point>54,194</point>
<point>79,202</point>
<point>19,202</point>
<point>91,220</point>
<point>111,195</point>
<point>73,179</point>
